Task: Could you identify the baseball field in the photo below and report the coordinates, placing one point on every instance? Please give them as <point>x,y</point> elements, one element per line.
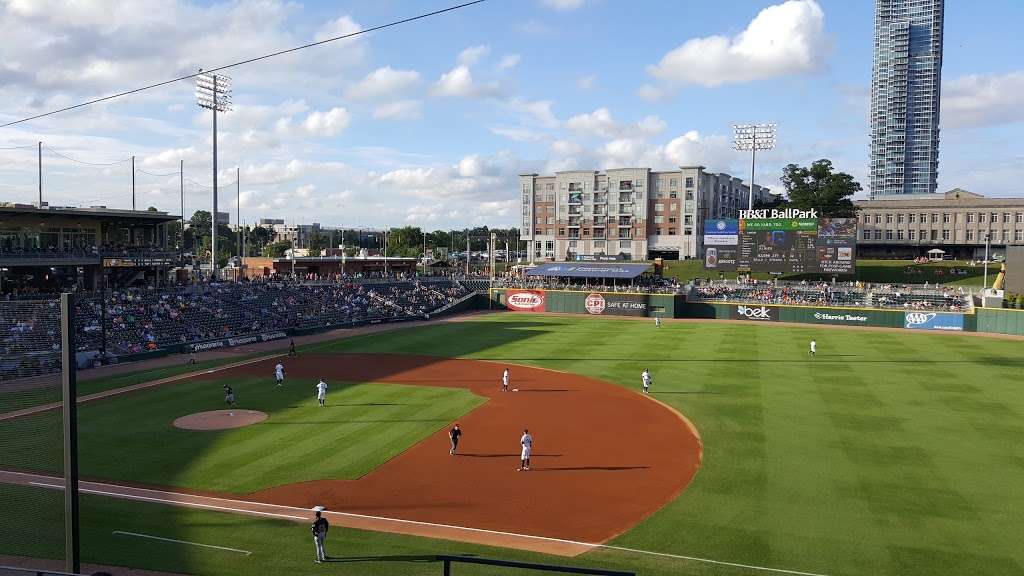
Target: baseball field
<point>886,453</point>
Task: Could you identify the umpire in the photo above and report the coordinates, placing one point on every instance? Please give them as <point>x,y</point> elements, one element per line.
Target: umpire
<point>319,528</point>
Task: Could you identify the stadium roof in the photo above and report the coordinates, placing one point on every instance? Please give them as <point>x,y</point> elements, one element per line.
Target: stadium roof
<point>95,212</point>
<point>589,270</point>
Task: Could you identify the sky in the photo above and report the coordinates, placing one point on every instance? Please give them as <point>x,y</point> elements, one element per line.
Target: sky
<point>429,123</point>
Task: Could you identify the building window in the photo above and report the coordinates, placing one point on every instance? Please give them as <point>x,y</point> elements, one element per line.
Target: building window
<point>689,196</point>
<point>970,217</point>
<point>888,218</point>
<point>526,189</point>
<point>981,217</point>
<point>1020,217</point>
<point>888,234</point>
<point>1017,235</point>
<point>910,234</point>
<point>878,220</point>
<point>911,218</point>
<point>1006,236</point>
<point>622,243</point>
<point>657,208</point>
<point>878,234</point>
<point>657,220</point>
<point>899,234</point>
<point>935,234</point>
<point>923,235</point>
<point>549,246</point>
<point>945,217</point>
<point>672,183</point>
<point>924,218</point>
<point>689,182</point>
<point>550,187</point>
<point>867,233</point>
<point>625,184</point>
<point>970,235</point>
<point>687,231</point>
<point>867,219</point>
<point>935,218</point>
<point>671,219</point>
<point>993,217</point>
<point>688,220</point>
<point>1006,217</point>
<point>671,231</point>
<point>673,207</point>
<point>945,234</point>
<point>639,184</point>
<point>900,218</point>
<point>561,231</point>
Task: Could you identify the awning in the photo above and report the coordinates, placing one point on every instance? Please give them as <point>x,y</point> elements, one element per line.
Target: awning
<point>574,270</point>
<point>936,251</point>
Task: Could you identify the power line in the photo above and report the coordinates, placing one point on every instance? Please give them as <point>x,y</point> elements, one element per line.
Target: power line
<point>62,155</point>
<point>242,62</point>
<point>141,171</point>
<point>18,147</point>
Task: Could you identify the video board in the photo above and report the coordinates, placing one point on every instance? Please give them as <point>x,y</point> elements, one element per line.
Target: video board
<point>781,245</point>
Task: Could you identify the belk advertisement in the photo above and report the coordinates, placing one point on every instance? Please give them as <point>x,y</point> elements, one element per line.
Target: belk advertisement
<point>525,300</point>
<point>754,312</point>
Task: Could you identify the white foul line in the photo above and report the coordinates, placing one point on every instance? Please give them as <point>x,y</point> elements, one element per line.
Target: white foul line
<point>411,522</point>
<point>123,533</point>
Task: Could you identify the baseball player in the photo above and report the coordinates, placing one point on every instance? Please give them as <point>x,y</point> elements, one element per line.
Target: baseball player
<point>319,528</point>
<point>291,348</point>
<point>321,392</point>
<point>814,347</point>
<point>504,380</point>
<point>192,357</point>
<point>279,373</point>
<point>657,321</point>
<point>454,434</point>
<point>646,377</point>
<point>229,396</point>
<point>527,443</point>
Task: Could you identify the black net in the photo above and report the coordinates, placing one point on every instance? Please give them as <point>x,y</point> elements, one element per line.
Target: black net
<point>31,434</point>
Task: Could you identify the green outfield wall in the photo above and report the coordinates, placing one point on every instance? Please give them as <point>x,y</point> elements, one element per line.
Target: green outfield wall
<point>595,303</point>
<point>1000,321</point>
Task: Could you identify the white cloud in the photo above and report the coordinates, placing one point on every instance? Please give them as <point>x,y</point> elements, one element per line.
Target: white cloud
<point>383,82</point>
<point>693,149</point>
<point>650,93</point>
<point>586,82</point>
<point>399,110</point>
<point>517,133</point>
<point>509,61</point>
<point>787,38</point>
<point>459,82</point>
<point>342,26</point>
<point>563,5</point>
<point>168,158</point>
<point>473,54</point>
<point>600,123</point>
<point>983,100</point>
<point>534,111</point>
<point>330,123</point>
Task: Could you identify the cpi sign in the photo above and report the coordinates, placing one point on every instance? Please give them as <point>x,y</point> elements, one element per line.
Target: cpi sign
<point>595,303</point>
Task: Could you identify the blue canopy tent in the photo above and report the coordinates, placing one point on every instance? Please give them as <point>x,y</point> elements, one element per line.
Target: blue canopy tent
<point>595,270</point>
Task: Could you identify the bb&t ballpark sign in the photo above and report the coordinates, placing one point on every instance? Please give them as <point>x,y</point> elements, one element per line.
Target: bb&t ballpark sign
<point>776,214</point>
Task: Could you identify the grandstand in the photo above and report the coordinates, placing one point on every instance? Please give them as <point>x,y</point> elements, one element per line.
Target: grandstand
<point>847,295</point>
<point>128,321</point>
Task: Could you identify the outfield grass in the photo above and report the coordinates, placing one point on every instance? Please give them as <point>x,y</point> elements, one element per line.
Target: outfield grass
<point>132,438</point>
<point>888,453</point>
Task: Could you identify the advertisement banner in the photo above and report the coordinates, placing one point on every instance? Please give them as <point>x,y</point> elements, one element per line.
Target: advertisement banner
<point>843,318</point>
<point>525,300</point>
<point>729,227</point>
<point>616,304</point>
<point>919,320</point>
<point>753,312</point>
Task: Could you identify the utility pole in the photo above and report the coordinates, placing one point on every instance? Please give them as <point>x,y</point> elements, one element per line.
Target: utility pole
<point>753,137</point>
<point>467,251</point>
<point>40,175</point>
<point>386,250</point>
<point>238,208</point>
<point>133,183</point>
<point>181,191</point>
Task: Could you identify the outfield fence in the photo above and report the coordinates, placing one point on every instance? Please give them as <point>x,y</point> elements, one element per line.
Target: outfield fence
<point>448,563</point>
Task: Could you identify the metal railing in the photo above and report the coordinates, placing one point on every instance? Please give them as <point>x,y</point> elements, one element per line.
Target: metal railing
<point>12,571</point>
<point>449,560</point>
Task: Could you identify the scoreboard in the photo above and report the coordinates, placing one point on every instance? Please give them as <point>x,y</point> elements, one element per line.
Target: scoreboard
<point>781,245</point>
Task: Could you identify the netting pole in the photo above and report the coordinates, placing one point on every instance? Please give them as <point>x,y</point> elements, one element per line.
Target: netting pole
<point>72,551</point>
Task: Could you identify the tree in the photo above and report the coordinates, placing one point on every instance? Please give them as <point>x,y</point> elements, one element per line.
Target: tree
<point>276,249</point>
<point>821,188</point>
<point>317,242</point>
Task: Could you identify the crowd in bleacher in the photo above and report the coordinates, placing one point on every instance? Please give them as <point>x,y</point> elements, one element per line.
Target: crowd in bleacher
<point>643,283</point>
<point>141,319</point>
<point>841,294</point>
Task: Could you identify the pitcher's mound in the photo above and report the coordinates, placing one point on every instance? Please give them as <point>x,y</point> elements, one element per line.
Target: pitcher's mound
<point>220,419</point>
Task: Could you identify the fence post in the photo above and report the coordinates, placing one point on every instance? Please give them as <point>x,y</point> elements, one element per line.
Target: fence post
<point>72,560</point>
<point>447,567</point>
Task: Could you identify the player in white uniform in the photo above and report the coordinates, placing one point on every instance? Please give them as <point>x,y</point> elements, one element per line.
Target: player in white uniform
<point>814,347</point>
<point>646,377</point>
<point>321,392</point>
<point>657,321</point>
<point>279,373</point>
<point>504,380</point>
<point>527,443</point>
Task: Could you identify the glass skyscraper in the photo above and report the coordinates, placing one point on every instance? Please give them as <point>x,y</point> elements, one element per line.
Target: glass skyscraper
<point>905,85</point>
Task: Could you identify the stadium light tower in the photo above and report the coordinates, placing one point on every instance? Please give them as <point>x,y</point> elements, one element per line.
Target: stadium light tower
<point>753,137</point>
<point>213,92</point>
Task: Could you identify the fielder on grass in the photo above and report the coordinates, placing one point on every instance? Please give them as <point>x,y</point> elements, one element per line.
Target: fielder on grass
<point>321,392</point>
<point>319,528</point>
<point>279,373</point>
<point>646,377</point>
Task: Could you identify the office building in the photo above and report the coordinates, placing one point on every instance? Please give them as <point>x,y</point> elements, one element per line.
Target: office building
<point>905,87</point>
<point>631,213</point>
